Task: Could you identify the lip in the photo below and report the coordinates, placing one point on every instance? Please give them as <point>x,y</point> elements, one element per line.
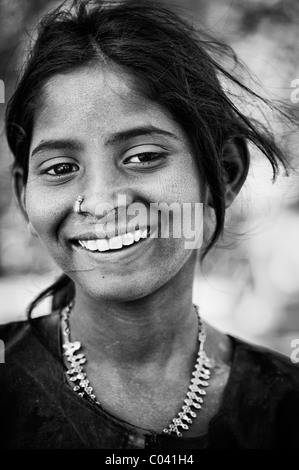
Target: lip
<point>114,255</point>
<point>96,234</point>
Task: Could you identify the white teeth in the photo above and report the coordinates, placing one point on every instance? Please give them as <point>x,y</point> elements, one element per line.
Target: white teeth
<point>115,243</point>
<point>137,235</point>
<point>103,244</point>
<point>92,245</point>
<point>128,238</point>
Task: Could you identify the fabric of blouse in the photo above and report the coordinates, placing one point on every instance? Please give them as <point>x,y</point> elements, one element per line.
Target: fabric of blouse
<point>39,409</point>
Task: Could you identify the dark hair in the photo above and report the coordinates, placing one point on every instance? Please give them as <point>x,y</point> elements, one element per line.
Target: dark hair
<point>174,64</point>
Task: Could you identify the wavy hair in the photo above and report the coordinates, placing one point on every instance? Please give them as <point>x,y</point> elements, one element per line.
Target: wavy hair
<point>172,63</point>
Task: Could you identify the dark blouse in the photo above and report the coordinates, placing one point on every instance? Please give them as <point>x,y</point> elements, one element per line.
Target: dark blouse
<point>39,410</point>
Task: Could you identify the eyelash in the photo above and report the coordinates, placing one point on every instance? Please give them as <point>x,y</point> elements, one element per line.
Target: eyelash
<point>55,167</point>
<point>151,156</point>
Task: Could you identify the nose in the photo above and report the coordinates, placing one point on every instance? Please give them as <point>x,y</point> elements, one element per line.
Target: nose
<point>104,192</point>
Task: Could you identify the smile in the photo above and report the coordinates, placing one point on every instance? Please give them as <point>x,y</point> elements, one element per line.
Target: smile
<point>114,243</point>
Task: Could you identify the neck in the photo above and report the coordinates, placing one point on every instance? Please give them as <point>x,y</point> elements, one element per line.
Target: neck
<point>144,331</point>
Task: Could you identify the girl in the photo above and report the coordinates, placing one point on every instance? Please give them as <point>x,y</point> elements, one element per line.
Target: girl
<point>121,107</point>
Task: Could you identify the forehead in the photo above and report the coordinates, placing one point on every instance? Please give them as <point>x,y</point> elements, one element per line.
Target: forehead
<point>94,99</point>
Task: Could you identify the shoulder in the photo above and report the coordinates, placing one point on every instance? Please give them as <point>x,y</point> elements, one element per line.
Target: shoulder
<point>27,342</point>
<point>18,351</point>
<point>30,348</point>
<point>264,383</point>
<point>264,364</point>
<point>260,407</point>
<point>14,333</point>
<point>244,357</point>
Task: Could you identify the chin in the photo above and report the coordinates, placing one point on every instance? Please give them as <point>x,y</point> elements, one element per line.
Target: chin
<point>118,290</point>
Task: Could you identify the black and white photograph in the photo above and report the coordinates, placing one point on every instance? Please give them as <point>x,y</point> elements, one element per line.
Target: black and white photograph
<point>149,227</point>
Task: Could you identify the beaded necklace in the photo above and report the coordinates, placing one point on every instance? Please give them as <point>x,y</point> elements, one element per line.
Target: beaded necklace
<point>193,401</point>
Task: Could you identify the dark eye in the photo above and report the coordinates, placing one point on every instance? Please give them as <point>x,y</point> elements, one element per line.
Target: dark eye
<point>143,157</point>
<point>62,169</point>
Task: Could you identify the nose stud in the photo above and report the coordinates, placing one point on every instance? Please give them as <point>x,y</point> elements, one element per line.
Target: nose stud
<point>77,205</point>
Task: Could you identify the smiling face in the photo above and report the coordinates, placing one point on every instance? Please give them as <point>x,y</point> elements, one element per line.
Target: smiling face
<point>95,136</point>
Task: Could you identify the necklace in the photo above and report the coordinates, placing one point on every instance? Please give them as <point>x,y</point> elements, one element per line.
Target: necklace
<point>192,402</point>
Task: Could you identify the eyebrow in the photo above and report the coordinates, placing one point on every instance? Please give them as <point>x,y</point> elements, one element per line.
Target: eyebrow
<point>150,130</point>
<point>116,138</point>
<point>57,144</point>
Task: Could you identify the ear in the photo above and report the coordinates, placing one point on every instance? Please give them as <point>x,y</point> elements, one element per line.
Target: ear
<point>235,162</point>
<point>19,188</point>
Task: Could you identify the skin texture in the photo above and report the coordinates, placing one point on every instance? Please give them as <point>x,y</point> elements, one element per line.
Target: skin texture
<point>91,116</point>
<point>133,312</point>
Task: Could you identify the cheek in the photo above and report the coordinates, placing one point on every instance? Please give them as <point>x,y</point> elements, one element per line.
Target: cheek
<point>45,210</point>
<point>185,191</point>
<point>183,183</point>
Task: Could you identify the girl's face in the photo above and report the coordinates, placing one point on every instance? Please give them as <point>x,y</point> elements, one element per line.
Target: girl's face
<point>95,136</point>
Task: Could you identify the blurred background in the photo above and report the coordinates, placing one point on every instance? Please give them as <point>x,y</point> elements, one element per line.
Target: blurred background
<point>249,285</point>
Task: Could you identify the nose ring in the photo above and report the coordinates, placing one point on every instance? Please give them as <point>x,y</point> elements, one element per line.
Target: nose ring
<point>77,205</point>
